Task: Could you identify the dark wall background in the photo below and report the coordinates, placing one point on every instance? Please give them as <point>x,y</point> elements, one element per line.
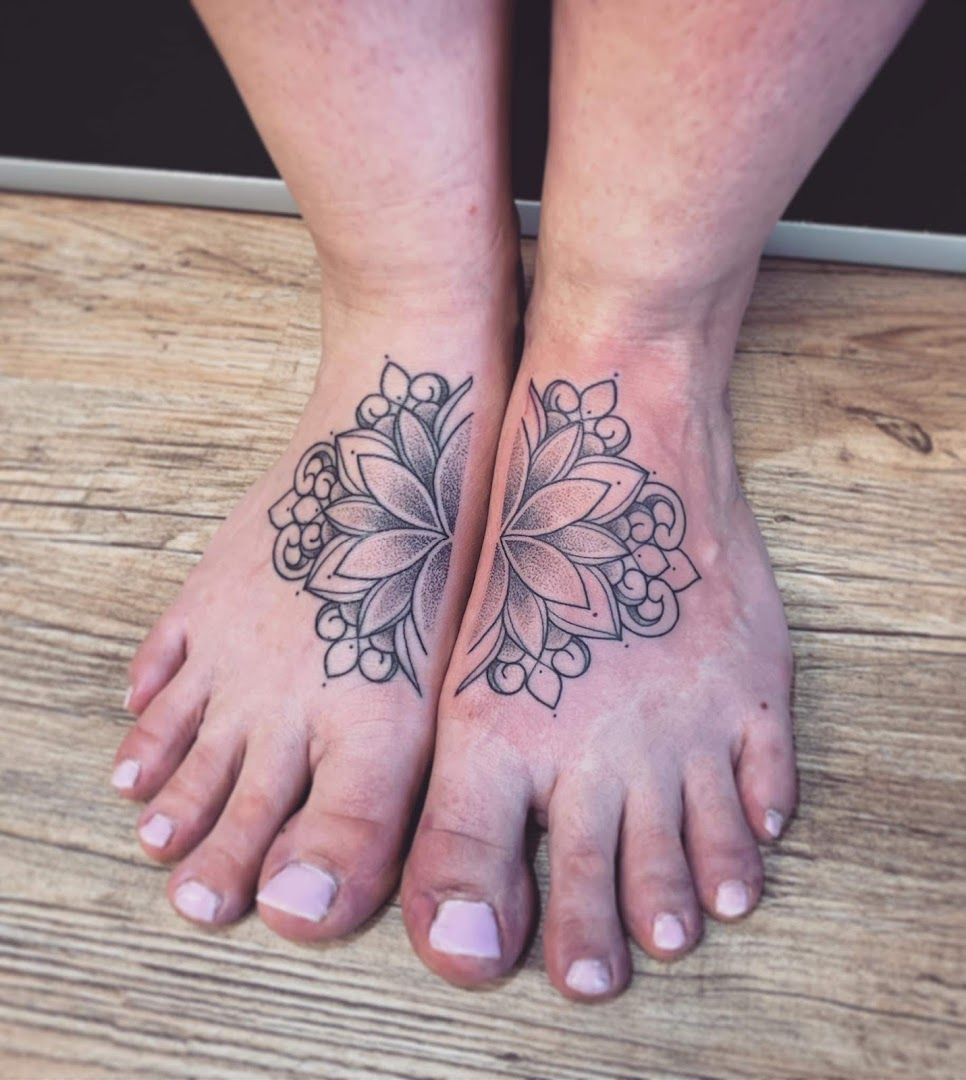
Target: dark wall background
<point>136,82</point>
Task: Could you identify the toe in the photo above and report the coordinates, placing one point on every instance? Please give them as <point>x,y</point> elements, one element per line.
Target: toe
<point>584,944</point>
<point>766,776</point>
<point>216,882</point>
<point>158,742</point>
<point>339,858</point>
<point>467,894</point>
<point>155,664</point>
<point>185,810</point>
<point>657,893</point>
<point>724,858</point>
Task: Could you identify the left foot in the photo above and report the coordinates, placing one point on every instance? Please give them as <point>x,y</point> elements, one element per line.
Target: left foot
<point>622,671</point>
<point>286,701</point>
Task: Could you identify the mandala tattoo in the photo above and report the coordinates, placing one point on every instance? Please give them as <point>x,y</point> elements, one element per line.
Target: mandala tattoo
<point>590,547</point>
<point>368,524</point>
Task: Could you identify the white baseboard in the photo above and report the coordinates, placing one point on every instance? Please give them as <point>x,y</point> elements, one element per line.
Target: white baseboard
<point>790,239</point>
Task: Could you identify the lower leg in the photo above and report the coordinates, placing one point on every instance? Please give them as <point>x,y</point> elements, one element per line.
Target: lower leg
<point>303,658</point>
<point>623,667</point>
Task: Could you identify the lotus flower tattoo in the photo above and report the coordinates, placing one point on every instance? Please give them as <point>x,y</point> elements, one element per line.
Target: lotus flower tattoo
<point>368,524</point>
<point>590,547</point>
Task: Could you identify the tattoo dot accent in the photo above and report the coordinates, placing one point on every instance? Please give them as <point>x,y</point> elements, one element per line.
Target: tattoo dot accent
<point>368,524</point>
<point>590,547</point>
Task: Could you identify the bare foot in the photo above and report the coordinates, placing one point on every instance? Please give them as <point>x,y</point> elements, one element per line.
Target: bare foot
<point>286,700</point>
<point>622,671</point>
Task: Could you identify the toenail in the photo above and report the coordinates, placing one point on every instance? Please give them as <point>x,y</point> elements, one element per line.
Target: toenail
<point>465,928</point>
<point>731,899</point>
<point>300,889</point>
<point>669,933</point>
<point>126,774</point>
<point>157,830</point>
<point>590,977</point>
<point>774,823</point>
<point>197,901</point>
<point>128,694</point>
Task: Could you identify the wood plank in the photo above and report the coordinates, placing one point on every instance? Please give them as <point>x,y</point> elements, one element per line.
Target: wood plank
<point>152,362</point>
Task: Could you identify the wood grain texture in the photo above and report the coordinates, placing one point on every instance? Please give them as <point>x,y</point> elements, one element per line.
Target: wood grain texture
<point>154,361</point>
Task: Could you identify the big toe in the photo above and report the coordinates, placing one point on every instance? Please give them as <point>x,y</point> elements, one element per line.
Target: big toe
<point>339,858</point>
<point>468,896</point>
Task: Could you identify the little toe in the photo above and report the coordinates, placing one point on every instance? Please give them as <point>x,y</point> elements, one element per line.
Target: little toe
<point>185,810</point>
<point>467,894</point>
<point>158,659</point>
<point>157,743</point>
<point>339,858</point>
<point>766,776</point>
<point>657,892</point>
<point>584,944</point>
<point>216,882</point>
<point>723,855</point>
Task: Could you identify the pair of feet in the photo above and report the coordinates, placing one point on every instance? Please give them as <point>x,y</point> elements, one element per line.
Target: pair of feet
<point>554,594</point>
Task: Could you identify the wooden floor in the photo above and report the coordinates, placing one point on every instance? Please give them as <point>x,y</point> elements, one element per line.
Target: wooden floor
<point>153,363</point>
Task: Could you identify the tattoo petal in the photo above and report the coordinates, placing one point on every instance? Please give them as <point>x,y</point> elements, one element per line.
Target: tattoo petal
<point>415,446</point>
<point>598,617</point>
<point>526,617</point>
<point>554,458</point>
<point>386,603</point>
<point>516,477</point>
<point>325,580</point>
<point>598,400</point>
<point>395,488</point>
<point>623,478</point>
<point>428,589</point>
<point>388,553</point>
<point>395,383</point>
<point>359,515</point>
<point>556,505</point>
<point>341,657</point>
<point>545,570</point>
<point>494,597</point>
<point>448,480</point>
<point>354,445</point>
<point>545,685</point>
<point>587,543</point>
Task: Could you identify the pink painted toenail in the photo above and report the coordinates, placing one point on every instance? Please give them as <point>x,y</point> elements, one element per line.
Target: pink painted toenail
<point>129,693</point>
<point>731,900</point>
<point>465,928</point>
<point>669,933</point>
<point>126,774</point>
<point>590,977</point>
<point>774,823</point>
<point>157,830</point>
<point>197,901</point>
<point>300,889</point>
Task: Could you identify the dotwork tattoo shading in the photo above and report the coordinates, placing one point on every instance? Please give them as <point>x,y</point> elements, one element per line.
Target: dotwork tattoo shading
<point>368,524</point>
<point>590,547</point>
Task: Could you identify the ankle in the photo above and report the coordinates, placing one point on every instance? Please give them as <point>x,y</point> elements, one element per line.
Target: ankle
<point>625,311</point>
<point>675,337</point>
<point>425,266</point>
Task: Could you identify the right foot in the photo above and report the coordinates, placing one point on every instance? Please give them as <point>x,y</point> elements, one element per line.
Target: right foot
<point>656,750</point>
<point>281,673</point>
